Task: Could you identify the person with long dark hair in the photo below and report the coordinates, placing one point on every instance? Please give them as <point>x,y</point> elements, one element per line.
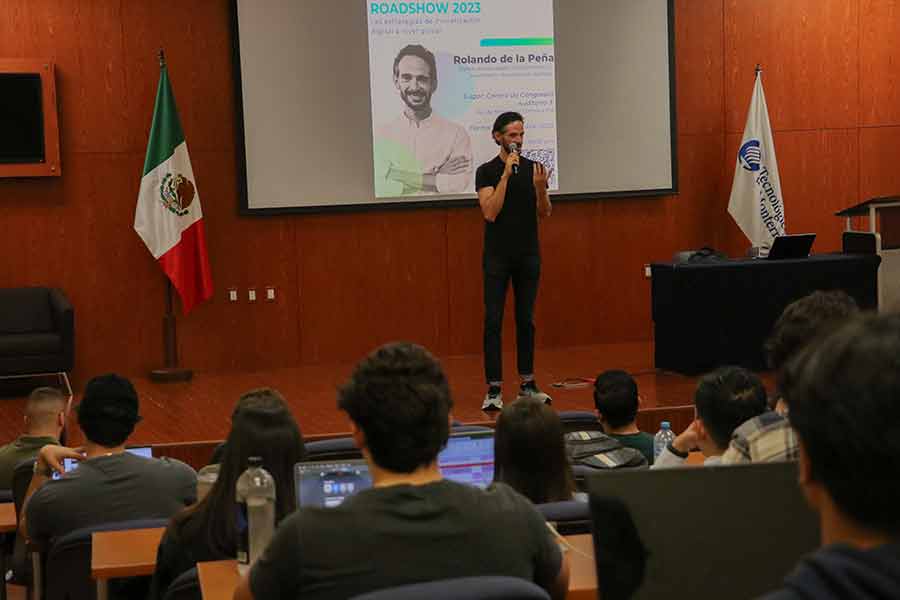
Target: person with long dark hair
<point>261,425</point>
<point>530,452</point>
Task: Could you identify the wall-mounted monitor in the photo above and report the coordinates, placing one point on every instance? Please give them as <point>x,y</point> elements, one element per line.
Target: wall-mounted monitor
<point>29,130</point>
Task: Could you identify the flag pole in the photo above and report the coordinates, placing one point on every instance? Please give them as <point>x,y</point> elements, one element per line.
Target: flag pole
<point>170,372</point>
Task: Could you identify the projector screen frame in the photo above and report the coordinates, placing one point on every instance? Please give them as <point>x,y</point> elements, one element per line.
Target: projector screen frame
<point>244,208</point>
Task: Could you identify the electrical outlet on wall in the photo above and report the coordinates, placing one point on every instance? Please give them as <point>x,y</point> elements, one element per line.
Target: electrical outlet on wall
<point>647,272</point>
<point>251,295</point>
<point>232,294</point>
<point>270,293</point>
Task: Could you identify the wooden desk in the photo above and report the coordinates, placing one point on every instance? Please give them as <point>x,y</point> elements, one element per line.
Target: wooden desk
<point>7,517</point>
<point>126,553</point>
<point>219,579</point>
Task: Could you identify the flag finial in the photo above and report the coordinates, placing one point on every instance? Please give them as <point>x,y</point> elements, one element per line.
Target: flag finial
<point>758,66</point>
<point>162,59</point>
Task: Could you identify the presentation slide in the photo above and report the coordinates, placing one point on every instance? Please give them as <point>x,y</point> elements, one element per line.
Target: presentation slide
<point>363,104</point>
<point>440,72</point>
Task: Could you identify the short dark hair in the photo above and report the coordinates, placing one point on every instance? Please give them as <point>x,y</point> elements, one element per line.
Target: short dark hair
<point>844,396</point>
<point>505,119</point>
<point>726,398</point>
<point>616,397</point>
<point>421,52</point>
<point>530,452</point>
<point>399,397</point>
<point>44,404</point>
<point>805,319</point>
<point>108,410</point>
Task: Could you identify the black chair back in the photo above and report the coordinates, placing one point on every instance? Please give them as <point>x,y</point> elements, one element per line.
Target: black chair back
<point>21,479</point>
<point>185,587</point>
<point>571,517</point>
<point>67,574</point>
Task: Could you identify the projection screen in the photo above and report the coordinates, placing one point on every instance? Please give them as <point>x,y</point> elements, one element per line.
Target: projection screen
<point>356,104</point>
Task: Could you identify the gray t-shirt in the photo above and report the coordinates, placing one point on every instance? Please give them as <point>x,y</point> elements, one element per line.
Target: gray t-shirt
<point>390,536</point>
<point>107,489</point>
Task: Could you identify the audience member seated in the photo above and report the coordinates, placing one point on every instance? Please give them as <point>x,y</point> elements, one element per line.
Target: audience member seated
<point>109,484</point>
<point>616,401</point>
<point>411,526</point>
<point>45,417</point>
<point>530,452</point>
<point>844,395</point>
<point>261,425</point>
<point>724,399</point>
<point>769,436</point>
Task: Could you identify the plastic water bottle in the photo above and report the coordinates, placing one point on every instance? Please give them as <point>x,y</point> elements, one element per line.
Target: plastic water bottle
<point>255,495</point>
<point>663,437</point>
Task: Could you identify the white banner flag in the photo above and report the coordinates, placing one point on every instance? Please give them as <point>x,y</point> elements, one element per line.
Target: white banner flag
<point>756,204</point>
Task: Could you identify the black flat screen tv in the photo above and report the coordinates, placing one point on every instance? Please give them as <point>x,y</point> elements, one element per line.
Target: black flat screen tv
<point>21,118</point>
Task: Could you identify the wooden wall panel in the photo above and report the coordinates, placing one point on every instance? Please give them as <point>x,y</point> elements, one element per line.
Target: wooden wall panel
<point>699,66</point>
<point>879,54</point>
<point>809,53</point>
<point>366,279</point>
<point>878,151</point>
<point>465,244</point>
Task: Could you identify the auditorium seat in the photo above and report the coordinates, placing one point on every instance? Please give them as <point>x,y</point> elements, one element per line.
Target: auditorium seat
<point>342,448</point>
<point>579,420</point>
<point>463,588</point>
<point>185,587</point>
<point>67,567</point>
<point>569,517</point>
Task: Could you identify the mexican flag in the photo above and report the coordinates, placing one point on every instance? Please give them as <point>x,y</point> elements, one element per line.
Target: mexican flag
<point>168,216</point>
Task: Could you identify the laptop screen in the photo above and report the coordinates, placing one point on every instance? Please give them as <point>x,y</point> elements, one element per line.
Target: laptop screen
<point>469,458</point>
<point>328,484</point>
<point>70,464</point>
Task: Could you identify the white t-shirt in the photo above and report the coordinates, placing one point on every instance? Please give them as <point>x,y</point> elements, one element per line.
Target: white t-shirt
<point>424,147</point>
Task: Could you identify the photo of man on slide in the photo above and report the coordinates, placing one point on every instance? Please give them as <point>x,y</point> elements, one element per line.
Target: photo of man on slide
<point>420,152</point>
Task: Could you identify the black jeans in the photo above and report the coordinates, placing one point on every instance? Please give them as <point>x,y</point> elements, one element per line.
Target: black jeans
<point>525,273</point>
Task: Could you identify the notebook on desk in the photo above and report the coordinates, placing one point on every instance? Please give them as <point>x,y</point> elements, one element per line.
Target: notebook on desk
<point>795,245</point>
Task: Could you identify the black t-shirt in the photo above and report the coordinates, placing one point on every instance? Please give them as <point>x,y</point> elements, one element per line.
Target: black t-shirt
<point>514,232</point>
<point>402,534</point>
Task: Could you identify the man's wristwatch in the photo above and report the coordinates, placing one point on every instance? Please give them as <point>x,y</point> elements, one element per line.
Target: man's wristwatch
<point>39,471</point>
<point>677,452</point>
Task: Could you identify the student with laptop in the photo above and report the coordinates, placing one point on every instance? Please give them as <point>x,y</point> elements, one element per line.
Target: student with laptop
<point>109,484</point>
<point>844,407</point>
<point>263,426</point>
<point>412,525</point>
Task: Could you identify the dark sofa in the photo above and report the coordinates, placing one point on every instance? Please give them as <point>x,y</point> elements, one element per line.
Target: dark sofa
<point>37,332</point>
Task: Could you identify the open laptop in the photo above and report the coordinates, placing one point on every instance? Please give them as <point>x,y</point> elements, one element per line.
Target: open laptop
<point>70,464</point>
<point>795,245</point>
<point>326,484</point>
<point>711,532</point>
<point>469,458</point>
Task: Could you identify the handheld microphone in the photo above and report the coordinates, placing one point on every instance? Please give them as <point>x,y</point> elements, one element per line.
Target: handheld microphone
<point>514,148</point>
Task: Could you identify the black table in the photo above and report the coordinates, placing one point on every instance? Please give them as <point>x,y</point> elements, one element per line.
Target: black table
<point>713,314</point>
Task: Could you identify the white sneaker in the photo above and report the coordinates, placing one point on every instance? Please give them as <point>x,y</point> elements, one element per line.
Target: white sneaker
<point>493,400</point>
<point>530,390</point>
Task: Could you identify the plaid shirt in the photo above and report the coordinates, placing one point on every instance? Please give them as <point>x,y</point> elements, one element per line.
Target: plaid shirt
<point>766,438</point>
